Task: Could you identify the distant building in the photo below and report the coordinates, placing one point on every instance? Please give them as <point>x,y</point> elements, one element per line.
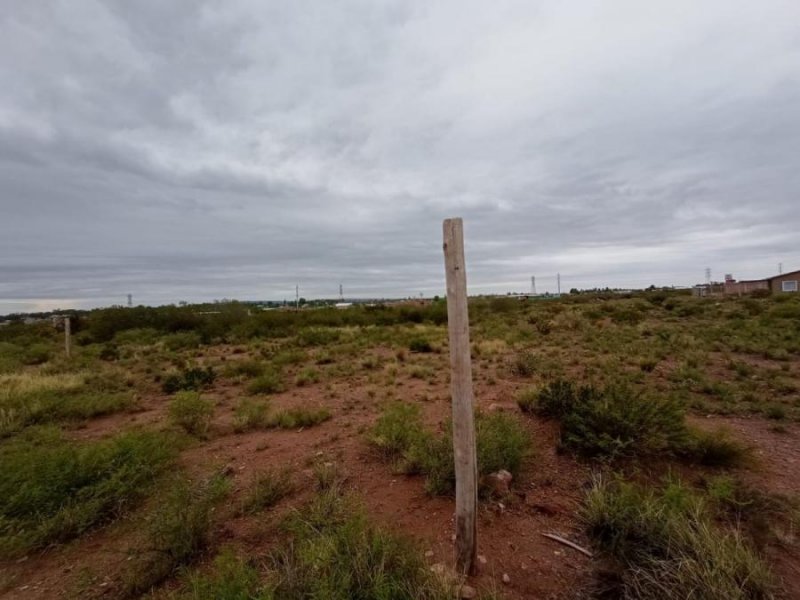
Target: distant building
<point>777,284</point>
<point>786,282</point>
<point>708,289</point>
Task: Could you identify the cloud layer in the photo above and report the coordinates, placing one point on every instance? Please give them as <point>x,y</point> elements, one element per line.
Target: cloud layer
<point>199,150</point>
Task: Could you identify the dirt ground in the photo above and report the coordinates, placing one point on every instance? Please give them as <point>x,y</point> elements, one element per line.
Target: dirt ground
<point>516,559</point>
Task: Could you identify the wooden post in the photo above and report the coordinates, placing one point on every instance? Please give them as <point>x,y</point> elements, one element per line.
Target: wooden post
<point>67,335</point>
<point>466,463</point>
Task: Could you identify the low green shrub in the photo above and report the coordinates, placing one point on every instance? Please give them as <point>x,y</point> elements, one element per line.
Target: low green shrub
<point>270,382</point>
<point>419,344</point>
<point>307,376</point>
<point>524,364</point>
<point>179,529</point>
<point>776,412</point>
<point>295,418</point>
<point>501,444</point>
<point>191,412</point>
<point>250,414</point>
<point>52,490</point>
<point>109,352</point>
<point>231,579</point>
<point>26,401</point>
<point>335,552</point>
<point>37,354</point>
<point>317,336</point>
<point>195,379</point>
<point>399,435</point>
<point>245,368</point>
<point>669,547</point>
<point>267,488</point>
<point>613,422</point>
<point>183,340</point>
<point>714,448</point>
<point>397,431</point>
<point>527,399</point>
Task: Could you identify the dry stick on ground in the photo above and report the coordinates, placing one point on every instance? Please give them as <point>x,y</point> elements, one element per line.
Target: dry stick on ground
<point>466,463</point>
<point>566,542</point>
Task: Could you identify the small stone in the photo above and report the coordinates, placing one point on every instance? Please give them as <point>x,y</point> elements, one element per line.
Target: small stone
<point>466,592</point>
<point>429,554</point>
<point>499,483</point>
<point>482,559</point>
<point>506,578</point>
<point>438,568</point>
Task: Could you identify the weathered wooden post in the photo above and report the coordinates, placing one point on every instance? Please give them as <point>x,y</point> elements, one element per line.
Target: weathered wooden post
<point>466,462</point>
<point>67,335</point>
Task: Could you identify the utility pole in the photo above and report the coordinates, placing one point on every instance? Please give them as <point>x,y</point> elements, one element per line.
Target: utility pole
<point>780,268</point>
<point>341,293</point>
<point>533,286</point>
<point>708,275</point>
<point>558,282</point>
<point>130,300</point>
<point>297,297</point>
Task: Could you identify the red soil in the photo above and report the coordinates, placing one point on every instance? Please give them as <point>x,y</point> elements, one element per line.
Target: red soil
<point>545,500</point>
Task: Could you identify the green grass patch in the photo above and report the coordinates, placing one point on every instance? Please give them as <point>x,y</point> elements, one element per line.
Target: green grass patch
<point>191,412</point>
<point>195,378</point>
<point>334,552</point>
<point>251,414</point>
<point>266,489</point>
<point>295,418</point>
<point>269,382</point>
<point>668,546</point>
<point>419,344</point>
<point>52,490</point>
<point>178,530</point>
<point>399,436</point>
<point>36,398</point>
<point>248,368</point>
<point>716,448</point>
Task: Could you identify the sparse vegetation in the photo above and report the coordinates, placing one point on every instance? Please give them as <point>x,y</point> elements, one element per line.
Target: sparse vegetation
<point>669,547</point>
<point>294,418</point>
<point>420,345</point>
<point>52,490</point>
<point>617,374</point>
<point>614,421</point>
<point>195,378</point>
<point>267,488</point>
<point>715,449</point>
<point>191,412</point>
<point>35,398</point>
<point>269,382</point>
<point>399,435</point>
<point>251,414</point>
<point>179,529</point>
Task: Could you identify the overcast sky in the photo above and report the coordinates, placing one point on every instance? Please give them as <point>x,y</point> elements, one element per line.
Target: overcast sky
<point>192,150</point>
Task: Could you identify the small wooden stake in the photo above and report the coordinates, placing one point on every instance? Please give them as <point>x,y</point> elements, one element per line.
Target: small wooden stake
<point>67,335</point>
<point>466,463</point>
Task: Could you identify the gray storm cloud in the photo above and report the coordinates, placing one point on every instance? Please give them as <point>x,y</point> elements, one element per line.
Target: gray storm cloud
<point>199,150</point>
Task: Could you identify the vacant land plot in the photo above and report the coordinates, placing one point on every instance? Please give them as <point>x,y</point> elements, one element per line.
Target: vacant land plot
<point>237,454</point>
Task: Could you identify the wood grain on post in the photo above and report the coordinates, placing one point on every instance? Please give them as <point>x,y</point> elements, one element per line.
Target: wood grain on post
<point>466,463</point>
<point>67,335</point>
